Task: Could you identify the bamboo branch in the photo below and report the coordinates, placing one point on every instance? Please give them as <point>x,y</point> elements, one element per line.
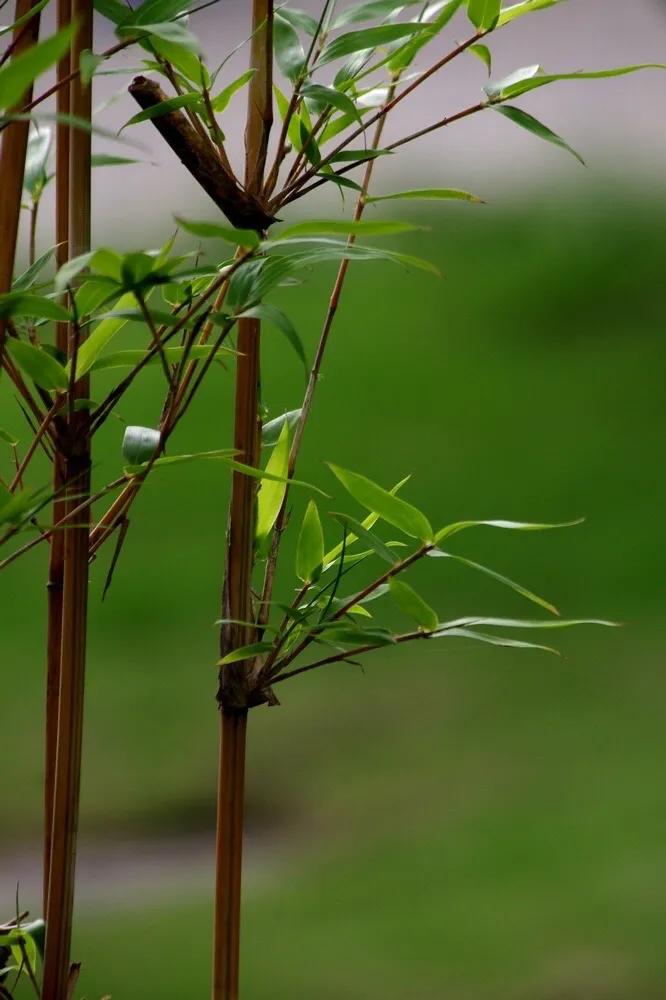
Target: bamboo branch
<point>200,156</point>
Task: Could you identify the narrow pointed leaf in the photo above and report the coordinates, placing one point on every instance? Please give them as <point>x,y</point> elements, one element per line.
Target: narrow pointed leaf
<point>310,548</point>
<point>245,653</point>
<point>526,7</point>
<point>357,530</point>
<point>342,227</point>
<point>221,101</point>
<point>511,584</point>
<point>22,70</point>
<point>412,604</point>
<point>396,511</point>
<point>289,51</point>
<point>102,335</point>
<point>212,230</point>
<point>39,365</point>
<point>453,529</point>
<point>508,89</point>
<point>429,194</point>
<point>537,128</point>
<point>271,493</point>
<point>270,431</point>
<point>276,317</point>
<point>368,38</point>
<point>484,14</point>
<point>493,640</point>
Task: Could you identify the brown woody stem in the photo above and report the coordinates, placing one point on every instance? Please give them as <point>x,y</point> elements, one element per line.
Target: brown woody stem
<point>67,776</point>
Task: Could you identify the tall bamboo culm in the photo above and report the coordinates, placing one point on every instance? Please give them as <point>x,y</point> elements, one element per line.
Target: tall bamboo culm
<point>67,775</point>
<point>237,594</point>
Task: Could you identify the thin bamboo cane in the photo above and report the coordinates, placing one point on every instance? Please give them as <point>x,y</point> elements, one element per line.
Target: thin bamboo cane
<point>237,595</point>
<point>75,580</point>
<point>57,551</point>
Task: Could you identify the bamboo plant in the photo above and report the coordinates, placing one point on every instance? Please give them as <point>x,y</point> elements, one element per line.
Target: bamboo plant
<point>319,90</point>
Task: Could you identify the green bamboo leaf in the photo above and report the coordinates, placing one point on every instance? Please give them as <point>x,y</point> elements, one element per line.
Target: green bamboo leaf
<point>342,227</point>
<point>29,276</point>
<point>184,59</point>
<point>133,357</point>
<point>20,71</point>
<point>156,10</point>
<point>35,306</point>
<point>374,9</point>
<point>310,547</point>
<point>299,19</point>
<point>525,7</point>
<point>170,31</point>
<point>359,531</point>
<point>330,97</point>
<point>508,88</point>
<point>219,454</point>
<point>368,522</point>
<point>272,492</point>
<point>358,155</point>
<point>245,653</point>
<point>164,108</point>
<point>429,194</point>
<point>483,53</point>
<point>5,29</point>
<point>38,364</point>
<point>212,230</point>
<point>221,101</point>
<point>392,509</point>
<point>102,335</point>
<point>368,38</point>
<point>453,529</point>
<point>437,17</point>
<point>493,640</point>
<point>484,14</point>
<point>106,160</point>
<point>517,587</point>
<point>270,314</point>
<point>356,635</point>
<point>294,128</point>
<point>412,604</point>
<point>494,89</point>
<point>523,623</point>
<point>10,439</point>
<point>115,11</point>
<point>537,128</point>
<point>289,51</point>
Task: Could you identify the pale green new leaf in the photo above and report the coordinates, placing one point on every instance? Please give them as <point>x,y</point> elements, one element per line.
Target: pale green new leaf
<point>392,509</point>
<point>358,530</point>
<point>523,623</point>
<point>272,492</point>
<point>412,604</point>
<point>483,53</point>
<point>484,14</point>
<point>374,9</point>
<point>310,548</point>
<point>368,522</point>
<point>102,335</point>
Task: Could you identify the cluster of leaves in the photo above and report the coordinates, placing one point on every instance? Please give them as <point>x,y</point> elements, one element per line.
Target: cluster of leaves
<point>342,74</point>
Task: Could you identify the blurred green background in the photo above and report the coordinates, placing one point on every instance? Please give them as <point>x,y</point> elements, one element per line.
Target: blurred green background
<point>454,821</point>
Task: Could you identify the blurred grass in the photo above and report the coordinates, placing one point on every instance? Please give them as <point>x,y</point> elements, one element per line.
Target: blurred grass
<point>473,823</point>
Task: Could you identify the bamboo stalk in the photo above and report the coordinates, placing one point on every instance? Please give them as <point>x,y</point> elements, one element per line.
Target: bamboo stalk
<point>75,580</point>
<point>12,163</point>
<point>233,694</point>
<point>57,551</point>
